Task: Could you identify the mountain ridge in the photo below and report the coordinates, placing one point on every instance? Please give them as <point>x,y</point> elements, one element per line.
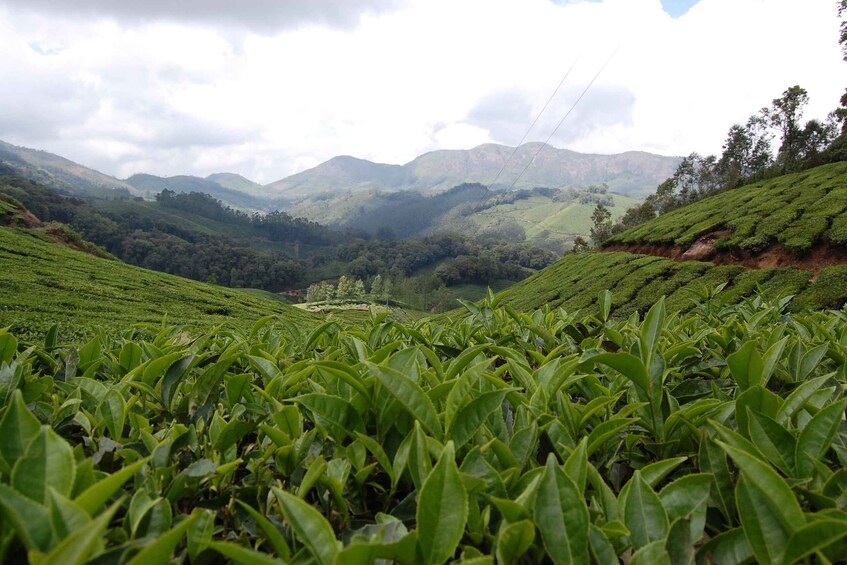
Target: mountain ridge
<point>634,173</point>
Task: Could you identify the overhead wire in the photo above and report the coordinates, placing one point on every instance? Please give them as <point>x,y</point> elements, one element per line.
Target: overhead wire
<point>574,105</point>
<point>532,125</point>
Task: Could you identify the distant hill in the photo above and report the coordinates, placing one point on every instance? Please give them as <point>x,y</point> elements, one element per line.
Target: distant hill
<point>61,173</point>
<point>150,185</point>
<point>236,182</point>
<point>545,217</point>
<point>633,173</point>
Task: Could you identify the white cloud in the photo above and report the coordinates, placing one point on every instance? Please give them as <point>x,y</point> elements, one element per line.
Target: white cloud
<point>170,94</point>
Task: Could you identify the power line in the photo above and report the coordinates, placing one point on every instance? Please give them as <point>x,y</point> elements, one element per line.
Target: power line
<point>532,125</point>
<point>543,145</point>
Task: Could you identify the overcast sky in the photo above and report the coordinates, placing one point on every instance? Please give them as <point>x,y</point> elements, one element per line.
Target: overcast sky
<point>267,88</point>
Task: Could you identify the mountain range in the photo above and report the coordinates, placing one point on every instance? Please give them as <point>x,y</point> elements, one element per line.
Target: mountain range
<point>633,173</point>
<point>531,165</point>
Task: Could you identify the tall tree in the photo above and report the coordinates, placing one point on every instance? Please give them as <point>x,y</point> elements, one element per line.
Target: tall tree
<point>785,114</point>
<point>602,228</point>
<point>842,13</point>
<point>746,152</point>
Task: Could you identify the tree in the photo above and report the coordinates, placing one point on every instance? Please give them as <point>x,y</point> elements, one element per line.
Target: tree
<point>815,138</point>
<point>602,228</point>
<point>386,289</point>
<point>785,114</point>
<point>376,287</point>
<point>746,152</point>
<point>344,288</point>
<point>839,115</point>
<point>358,291</point>
<point>579,245</point>
<point>842,13</point>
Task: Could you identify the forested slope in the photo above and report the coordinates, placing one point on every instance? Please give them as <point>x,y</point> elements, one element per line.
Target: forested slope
<point>45,282</point>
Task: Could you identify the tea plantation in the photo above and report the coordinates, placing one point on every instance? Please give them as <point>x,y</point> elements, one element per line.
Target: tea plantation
<point>715,436</point>
<point>637,281</point>
<point>797,210</point>
<point>43,283</point>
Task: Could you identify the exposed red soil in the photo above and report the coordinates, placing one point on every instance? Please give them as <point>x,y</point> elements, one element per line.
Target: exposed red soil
<point>776,255</point>
<point>20,219</point>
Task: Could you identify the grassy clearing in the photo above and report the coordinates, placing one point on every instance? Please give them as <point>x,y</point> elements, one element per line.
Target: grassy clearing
<point>45,283</point>
<point>797,210</point>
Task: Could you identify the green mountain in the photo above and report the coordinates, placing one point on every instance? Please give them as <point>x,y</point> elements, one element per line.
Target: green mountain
<point>238,183</point>
<point>63,174</point>
<point>541,216</point>
<point>632,173</point>
<point>150,185</point>
<point>786,236</point>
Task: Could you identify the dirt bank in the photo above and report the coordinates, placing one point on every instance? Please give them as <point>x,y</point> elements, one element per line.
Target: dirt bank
<point>776,255</point>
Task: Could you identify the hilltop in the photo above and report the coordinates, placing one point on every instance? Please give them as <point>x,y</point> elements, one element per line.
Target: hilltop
<point>61,173</point>
<point>244,197</point>
<point>633,173</point>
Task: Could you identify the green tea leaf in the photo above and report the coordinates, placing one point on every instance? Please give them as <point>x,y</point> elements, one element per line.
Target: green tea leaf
<point>29,519</point>
<point>17,429</point>
<point>76,548</point>
<point>8,348</point>
<point>728,547</point>
<point>764,528</point>
<point>162,547</point>
<point>628,365</point>
<point>112,411</point>
<point>746,366</point>
<point>774,441</point>
<point>177,371</point>
<point>766,485</point>
<point>472,416</point>
<point>644,514</point>
<point>410,395</point>
<point>48,462</point>
<point>311,528</point>
<point>514,540</point>
<point>273,535</point>
<point>817,435</point>
<point>813,537</point>
<point>95,496</point>
<point>243,555</point>
<point>442,510</point>
<point>561,516</point>
<point>654,553</point>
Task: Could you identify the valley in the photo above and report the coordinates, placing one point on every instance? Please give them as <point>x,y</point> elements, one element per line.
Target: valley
<point>471,353</point>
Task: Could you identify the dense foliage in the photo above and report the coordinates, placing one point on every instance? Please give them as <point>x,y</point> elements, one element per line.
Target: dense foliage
<point>42,283</point>
<point>636,280</point>
<point>797,210</point>
<point>194,236</point>
<point>718,435</point>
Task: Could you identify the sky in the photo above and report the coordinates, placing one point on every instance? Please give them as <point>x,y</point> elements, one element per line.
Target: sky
<point>268,88</point>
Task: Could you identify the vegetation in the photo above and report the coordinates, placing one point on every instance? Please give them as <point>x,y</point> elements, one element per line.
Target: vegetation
<point>45,283</point>
<point>544,217</point>
<point>748,155</point>
<point>797,210</point>
<point>547,437</point>
<point>193,235</point>
<point>636,280</point>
